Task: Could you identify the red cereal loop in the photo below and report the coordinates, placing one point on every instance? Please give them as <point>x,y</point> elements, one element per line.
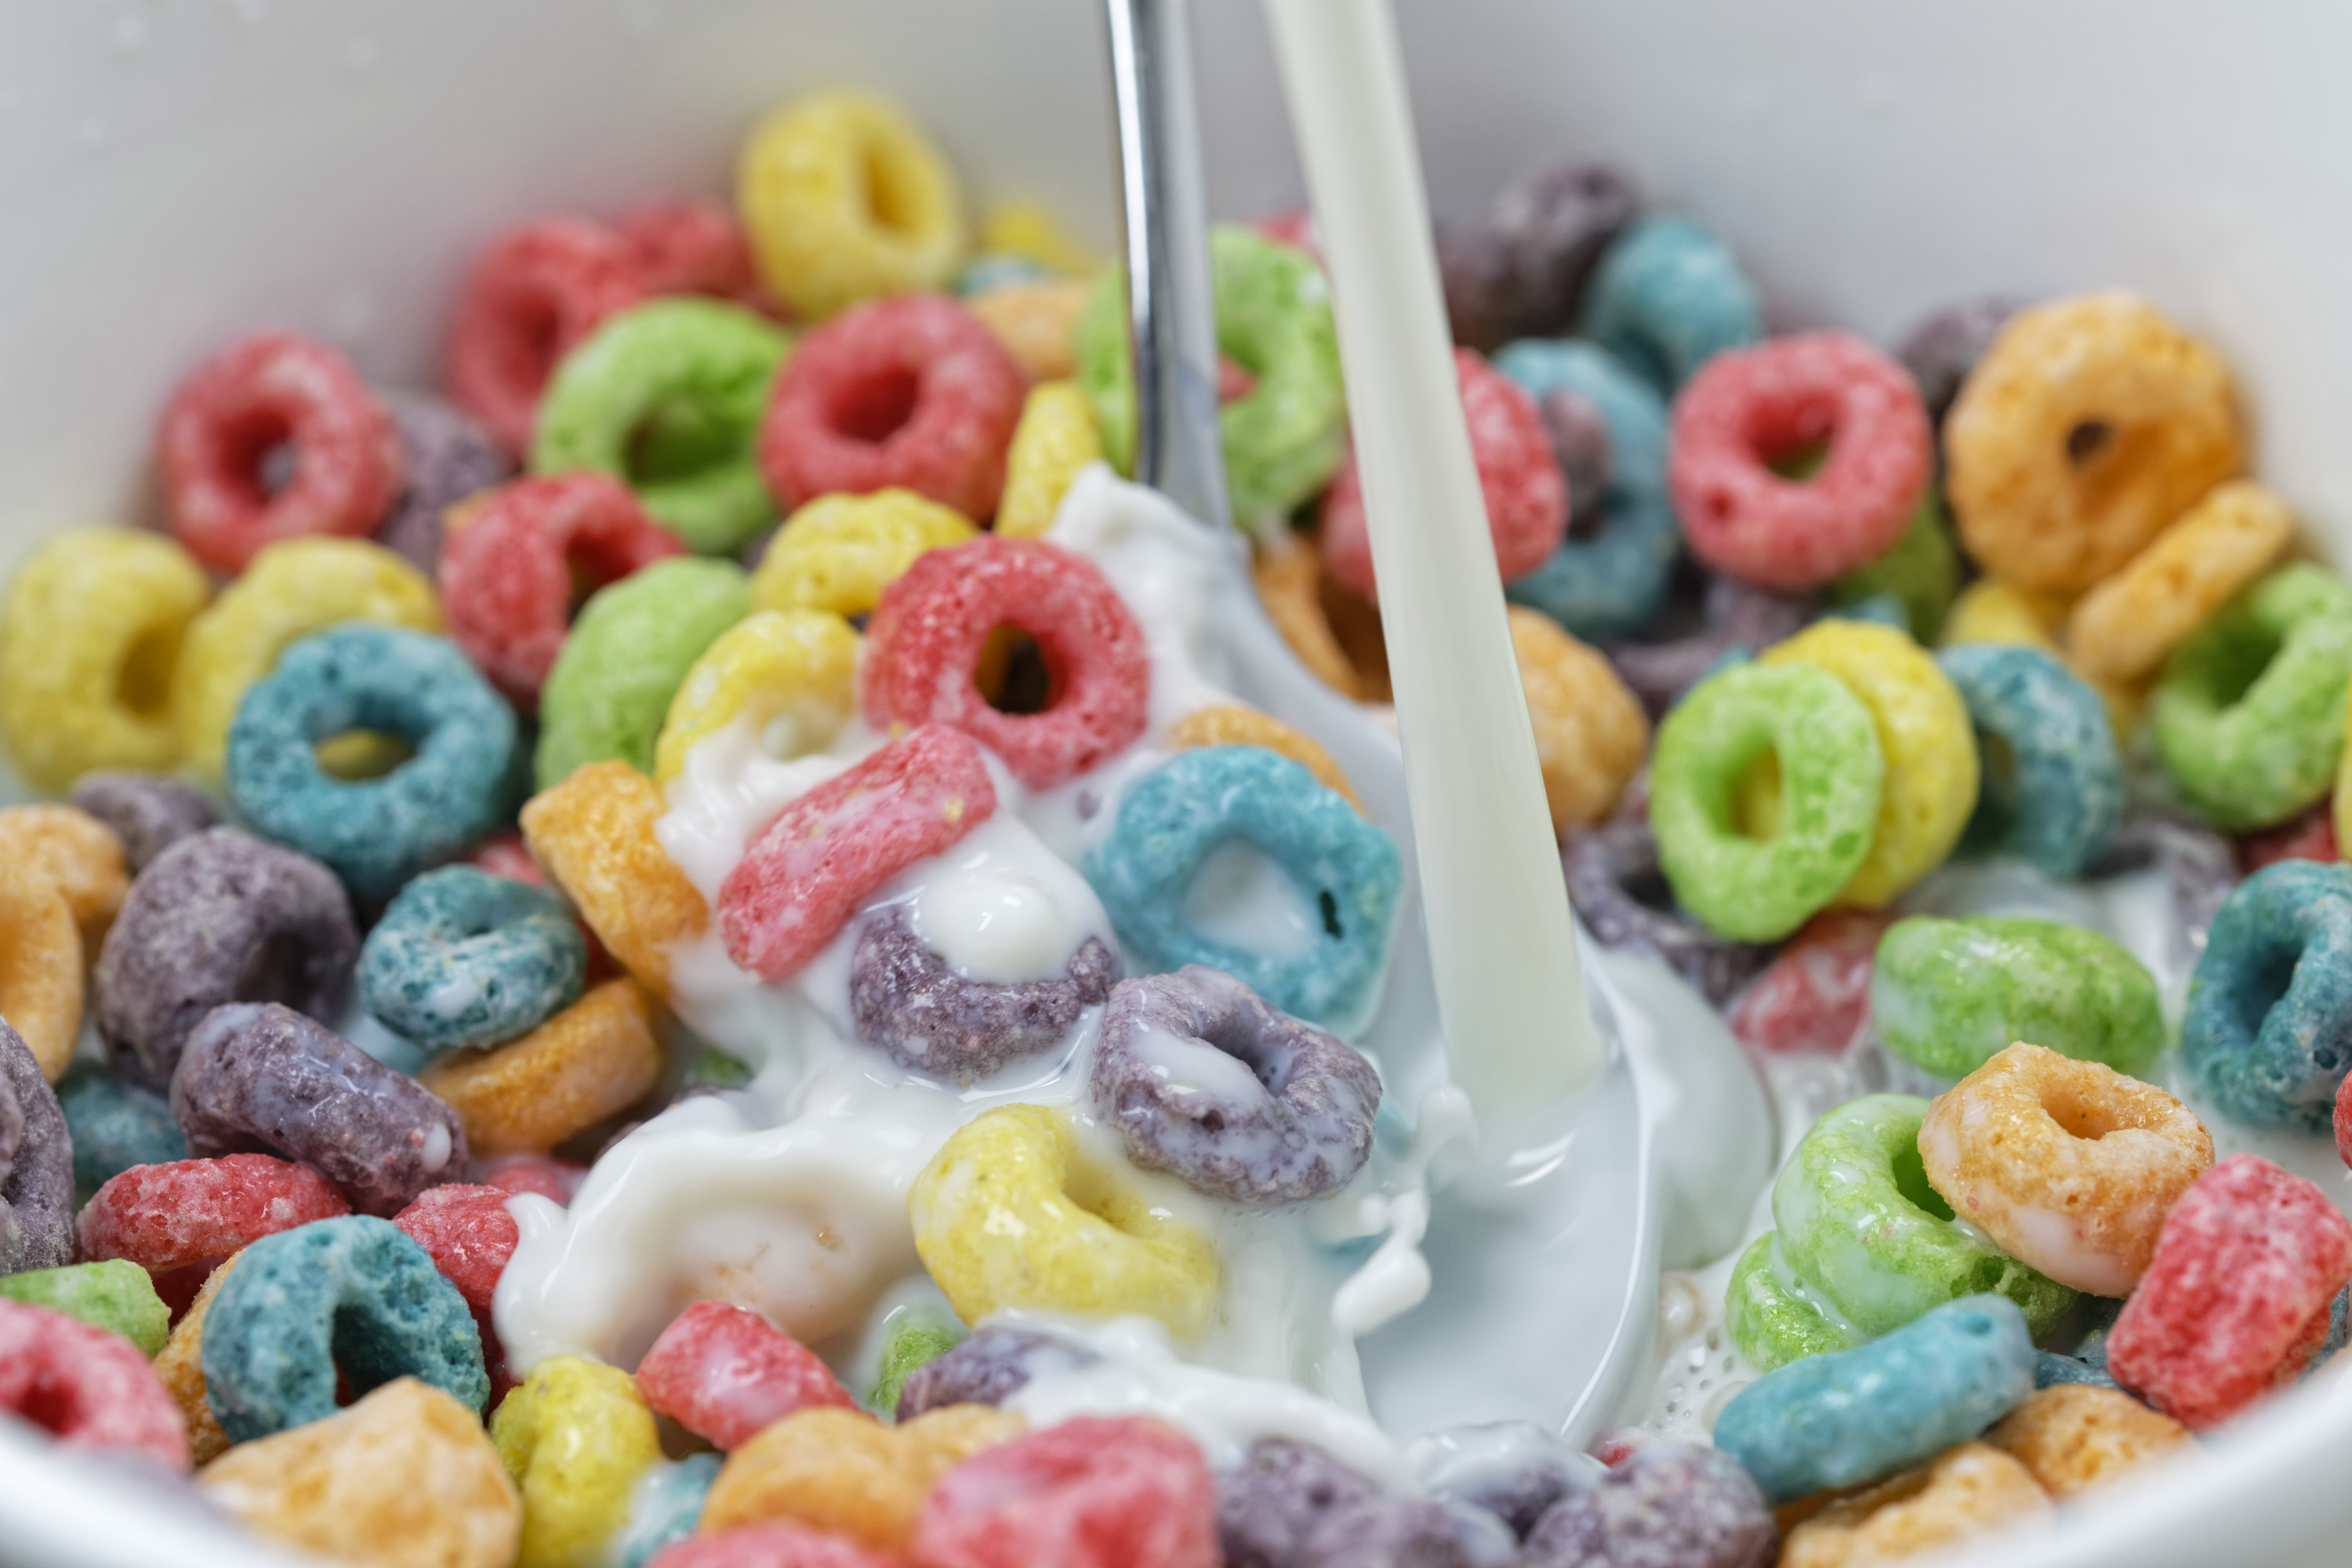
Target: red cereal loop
<point>2344,1121</point>
<point>722,1373</point>
<point>544,1174</point>
<point>808,870</point>
<point>910,392</point>
<point>2311,838</point>
<point>1089,1493</point>
<point>261,395</point>
<point>925,637</point>
<point>86,1387</point>
<point>1815,996</point>
<point>2237,1298</point>
<point>776,1544</point>
<point>689,247</point>
<point>1527,499</point>
<point>471,1235</point>
<point>532,296</point>
<point>1750,408</point>
<point>1295,229</point>
<point>170,1217</point>
<point>506,855</point>
<point>511,576</point>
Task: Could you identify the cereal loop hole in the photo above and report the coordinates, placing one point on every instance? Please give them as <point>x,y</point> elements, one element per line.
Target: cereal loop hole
<point>1014,674</point>
<point>875,406</point>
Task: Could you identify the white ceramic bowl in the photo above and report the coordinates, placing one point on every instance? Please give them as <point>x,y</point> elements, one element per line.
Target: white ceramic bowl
<point>173,172</point>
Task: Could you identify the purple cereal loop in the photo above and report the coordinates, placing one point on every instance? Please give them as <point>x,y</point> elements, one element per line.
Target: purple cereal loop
<point>1580,444</point>
<point>1402,1532</point>
<point>905,999</point>
<point>1739,620</point>
<point>1519,271</point>
<point>1270,1504</point>
<point>1605,866</point>
<point>257,1077</point>
<point>1943,348</point>
<point>220,916</point>
<point>988,1368</point>
<point>1275,1111</point>
<point>36,1192</point>
<point>1672,1505</point>
<point>148,812</point>
<point>1514,1470</point>
<point>446,458</point>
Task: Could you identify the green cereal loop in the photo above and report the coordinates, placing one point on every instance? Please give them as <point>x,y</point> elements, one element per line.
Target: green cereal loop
<point>1773,1315</point>
<point>2248,718</point>
<point>1952,995</point>
<point>1922,571</point>
<point>915,1339</point>
<point>627,657</point>
<point>1859,1222</point>
<point>668,397</point>
<point>1284,440</point>
<point>1830,772</point>
<point>115,1295</point>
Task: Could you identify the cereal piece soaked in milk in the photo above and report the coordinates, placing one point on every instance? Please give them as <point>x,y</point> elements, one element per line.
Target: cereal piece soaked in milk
<point>906,999</point>
<point>1672,1505</point>
<point>989,1368</point>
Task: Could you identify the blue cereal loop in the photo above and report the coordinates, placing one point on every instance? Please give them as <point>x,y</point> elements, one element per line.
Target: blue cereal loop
<point>377,833</point>
<point>664,1507</point>
<point>464,958</point>
<point>1603,586</point>
<point>2268,1033</point>
<point>1169,821</point>
<point>1850,1417</point>
<point>2064,797</point>
<point>353,1294</point>
<point>1667,296</point>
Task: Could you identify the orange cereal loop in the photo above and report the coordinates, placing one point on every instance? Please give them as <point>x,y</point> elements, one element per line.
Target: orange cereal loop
<point>2091,424</point>
<point>2073,1436</point>
<point>594,1059</point>
<point>1969,1490</point>
<point>180,1366</point>
<point>2069,1165</point>
<point>2122,629</point>
<point>839,1469</point>
<point>1591,731</point>
<point>77,853</point>
<point>593,833</point>
<point>1234,725</point>
<point>40,966</point>
<point>1037,323</point>
<point>1289,585</point>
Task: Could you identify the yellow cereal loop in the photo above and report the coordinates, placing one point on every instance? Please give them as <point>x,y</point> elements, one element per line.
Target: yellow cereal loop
<point>843,199</point>
<point>1991,611</point>
<point>575,1438</point>
<point>1030,229</point>
<point>1923,731</point>
<point>1591,731</point>
<point>1055,439</point>
<point>1234,725</point>
<point>90,631</point>
<point>76,853</point>
<point>791,673</point>
<point>290,590</point>
<point>1036,322</point>
<point>594,835</point>
<point>2123,628</point>
<point>839,551</point>
<point>1972,1490</point>
<point>843,1473</point>
<point>181,1365</point>
<point>40,966</point>
<point>1012,1212</point>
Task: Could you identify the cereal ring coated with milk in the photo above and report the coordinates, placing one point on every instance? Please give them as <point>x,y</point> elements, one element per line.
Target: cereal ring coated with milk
<point>838,552</point>
<point>376,833</point>
<point>574,1438</point>
<point>629,650</point>
<point>843,199</point>
<point>987,1368</point>
<point>40,968</point>
<point>1776,1317</point>
<point>591,1061</point>
<point>2090,424</point>
<point>1950,995</point>
<point>86,1387</point>
<point>1667,297</point>
<point>724,1373</point>
<point>37,1219</point>
<point>1591,731</point>
<point>532,296</point>
<point>350,1295</point>
<point>218,913</point>
<point>1815,996</point>
<point>1831,773</point>
<point>445,456</point>
<point>2069,1165</point>
<point>183,1214</point>
<point>270,392</point>
<point>1126,1492</point>
<point>1971,1489</point>
<point>1270,1504</point>
<point>258,1072</point>
<point>1014,1211</point>
<point>1344,876</point>
<point>463,958</point>
<point>2060,796</point>
<point>2251,751</point>
<point>90,636</point>
<point>1055,439</point>
<point>2123,628</point>
<point>1205,1081</point>
<point>699,365</point>
<point>842,1471</point>
<point>1673,1504</point>
<point>908,1000</point>
<point>2267,1036</point>
<point>112,1294</point>
<point>594,834</point>
<point>664,1507</point>
<point>146,813</point>
<point>2237,1295</point>
<point>1854,1416</point>
<point>789,674</point>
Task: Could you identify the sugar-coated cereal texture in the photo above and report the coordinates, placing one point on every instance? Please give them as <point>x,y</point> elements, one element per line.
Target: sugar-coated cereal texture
<point>181,1367</point>
<point>1187,1071</point>
<point>1815,996</point>
<point>112,1295</point>
<point>1602,864</point>
<point>790,675</point>
<point>1853,1415</point>
<point>90,632</point>
<point>404,1479</point>
<point>2060,796</point>
<point>1741,622</point>
<point>987,1368</point>
<point>2069,1165</point>
<point>445,456</point>
<point>462,957</point>
<point>838,552</point>
<point>1672,1505</point>
<point>912,1343</point>
<point>1013,1212</point>
<point>146,812</point>
<point>1591,732</point>
<point>1519,269</point>
<point>1129,1493</point>
<point>594,835</point>
<point>534,294</point>
<point>470,1236</point>
<point>776,1544</point>
<point>260,1073</point>
<point>170,1217</point>
<point>841,1470</point>
<point>908,1000</point>
<point>1773,1315</point>
<point>1393,1531</point>
<point>41,959</point>
<point>2237,1295</point>
<point>1230,724</point>
<point>630,649</point>
<point>2075,1436</point>
<point>114,1125</point>
<point>1667,296</point>
<point>87,1387</point>
<point>1269,1506</point>
<point>691,247</point>
<point>352,1296</point>
<point>2268,1032</point>
<point>1971,1489</point>
<point>1921,572</point>
<point>1055,439</point>
<point>1950,994</point>
<point>575,1438</point>
<point>36,1191</point>
<point>75,853</point>
<point>723,1373</point>
<point>2124,626</point>
<point>591,1061</point>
